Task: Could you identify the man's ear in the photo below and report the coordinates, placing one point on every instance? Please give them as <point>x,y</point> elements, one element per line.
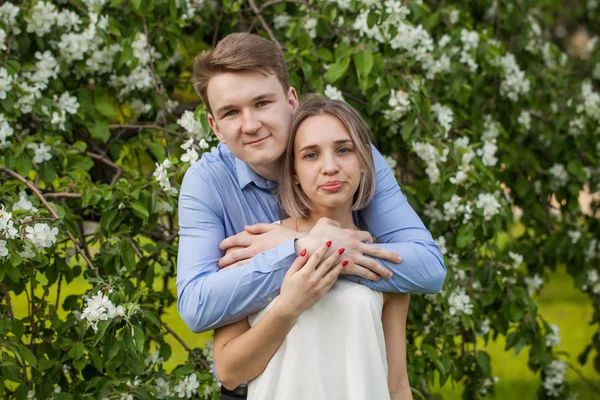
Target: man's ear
<point>293,98</point>
<point>215,128</point>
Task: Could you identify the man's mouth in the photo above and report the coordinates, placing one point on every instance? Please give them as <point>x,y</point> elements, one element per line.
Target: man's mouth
<point>257,141</point>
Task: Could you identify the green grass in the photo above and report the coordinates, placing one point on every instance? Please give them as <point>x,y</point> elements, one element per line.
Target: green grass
<point>559,303</point>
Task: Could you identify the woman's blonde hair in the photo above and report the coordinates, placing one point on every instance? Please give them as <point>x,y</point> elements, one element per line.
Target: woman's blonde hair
<point>293,199</point>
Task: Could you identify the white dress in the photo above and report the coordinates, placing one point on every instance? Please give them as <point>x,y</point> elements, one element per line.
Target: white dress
<point>335,351</point>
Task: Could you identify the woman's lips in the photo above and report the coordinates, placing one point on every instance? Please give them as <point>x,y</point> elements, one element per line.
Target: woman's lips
<point>332,186</point>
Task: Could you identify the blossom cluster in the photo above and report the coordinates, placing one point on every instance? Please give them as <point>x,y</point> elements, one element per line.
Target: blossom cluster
<point>161,175</point>
<point>431,155</point>
<point>459,302</point>
<point>100,308</point>
<point>555,378</point>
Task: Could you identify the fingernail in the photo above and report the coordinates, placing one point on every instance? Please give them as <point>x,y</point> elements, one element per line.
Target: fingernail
<point>341,250</point>
<point>399,259</point>
<point>303,253</point>
<point>328,244</point>
<point>344,263</point>
<point>390,274</point>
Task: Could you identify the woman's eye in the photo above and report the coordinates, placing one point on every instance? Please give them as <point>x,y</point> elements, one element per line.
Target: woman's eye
<point>310,155</point>
<point>345,150</point>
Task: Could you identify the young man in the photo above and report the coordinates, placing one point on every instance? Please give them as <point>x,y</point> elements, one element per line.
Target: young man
<point>244,83</point>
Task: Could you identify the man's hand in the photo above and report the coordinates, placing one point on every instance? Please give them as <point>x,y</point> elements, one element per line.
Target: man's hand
<point>253,240</point>
<point>356,249</point>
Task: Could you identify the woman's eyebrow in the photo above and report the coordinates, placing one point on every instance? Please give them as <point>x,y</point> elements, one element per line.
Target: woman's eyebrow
<point>315,146</point>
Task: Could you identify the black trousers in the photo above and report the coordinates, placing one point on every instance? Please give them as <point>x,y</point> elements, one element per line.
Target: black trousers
<point>236,394</point>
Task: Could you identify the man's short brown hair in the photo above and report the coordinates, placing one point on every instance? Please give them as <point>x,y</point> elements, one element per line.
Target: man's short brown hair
<point>239,52</point>
<point>293,199</point>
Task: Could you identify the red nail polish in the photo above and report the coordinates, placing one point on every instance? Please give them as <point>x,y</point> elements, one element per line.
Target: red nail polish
<point>328,244</point>
<point>344,263</point>
<point>341,250</point>
<point>303,253</point>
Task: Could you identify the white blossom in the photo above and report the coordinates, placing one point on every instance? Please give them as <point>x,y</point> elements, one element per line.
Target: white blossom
<point>46,68</point>
<point>399,104</point>
<point>416,41</point>
<point>281,20</point>
<point>203,144</point>
<point>8,15</point>
<point>514,84</point>
<point>431,156</point>
<point>190,155</point>
<point>139,107</point>
<point>533,284</point>
<point>576,126</point>
<point>593,250</point>
<point>192,7</point>
<point>100,308</point>
<point>333,93</point>
<point>555,378</point>
<point>94,5</point>
<point>24,203</point>
<point>162,388</point>
<point>559,174</point>
<point>68,19</point>
<point>6,131</point>
<point>454,16</point>
<point>574,235</point>
<point>460,302</point>
<point>491,129</point>
<point>485,327</point>
<point>41,152</point>
<point>525,120</point>
<point>553,338</point>
<point>469,39</point>
<point>3,249</point>
<point>190,124</point>
<point>444,116</point>
<point>7,224</point>
<point>41,235</point>
<point>591,104</point>
<point>593,281</point>
<point>139,79</point>
<point>5,83</point>
<point>161,176</point>
<point>489,204</point>
<point>517,259</point>
<point>441,241</point>
<point>43,17</point>
<point>310,26</point>
<point>187,387</point>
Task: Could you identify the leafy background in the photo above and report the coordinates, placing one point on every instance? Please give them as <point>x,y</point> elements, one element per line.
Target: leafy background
<point>487,110</point>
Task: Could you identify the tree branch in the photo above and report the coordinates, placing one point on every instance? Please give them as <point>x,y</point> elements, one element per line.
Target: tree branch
<point>146,126</point>
<point>273,2</point>
<point>59,195</point>
<point>262,21</point>
<point>182,343</point>
<point>52,212</point>
<point>11,314</point>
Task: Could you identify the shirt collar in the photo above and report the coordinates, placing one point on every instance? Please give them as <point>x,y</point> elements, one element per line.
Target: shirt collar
<point>246,175</point>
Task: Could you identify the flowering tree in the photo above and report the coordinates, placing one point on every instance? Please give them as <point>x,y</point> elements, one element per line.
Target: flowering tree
<point>489,123</point>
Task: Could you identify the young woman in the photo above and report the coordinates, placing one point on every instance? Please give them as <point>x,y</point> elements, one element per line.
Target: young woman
<point>321,338</point>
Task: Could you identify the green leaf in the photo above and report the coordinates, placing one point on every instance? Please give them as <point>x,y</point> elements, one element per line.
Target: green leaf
<point>77,350</point>
<point>28,356</point>
<point>363,60</point>
<point>516,312</point>
<point>324,54</point>
<point>149,315</point>
<point>157,150</point>
<point>138,338</point>
<point>337,70</point>
<point>13,273</point>
<point>102,327</point>
<point>484,362</point>
<point>465,235</point>
<point>100,131</point>
<point>139,209</point>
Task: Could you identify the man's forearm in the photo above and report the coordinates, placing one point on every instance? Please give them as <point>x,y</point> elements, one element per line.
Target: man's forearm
<point>422,269</point>
<point>219,298</point>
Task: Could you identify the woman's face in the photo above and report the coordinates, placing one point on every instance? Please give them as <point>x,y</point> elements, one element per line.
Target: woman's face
<point>326,162</point>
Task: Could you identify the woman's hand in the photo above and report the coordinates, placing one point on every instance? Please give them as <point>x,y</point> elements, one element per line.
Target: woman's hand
<point>308,279</point>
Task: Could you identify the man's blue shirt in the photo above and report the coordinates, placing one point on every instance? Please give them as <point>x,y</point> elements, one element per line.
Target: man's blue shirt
<point>220,194</point>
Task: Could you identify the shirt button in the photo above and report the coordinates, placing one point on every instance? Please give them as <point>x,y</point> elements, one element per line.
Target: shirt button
<point>270,299</point>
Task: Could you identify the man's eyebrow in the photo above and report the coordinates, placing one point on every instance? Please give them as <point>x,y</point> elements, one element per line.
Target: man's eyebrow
<point>314,146</point>
<point>256,98</point>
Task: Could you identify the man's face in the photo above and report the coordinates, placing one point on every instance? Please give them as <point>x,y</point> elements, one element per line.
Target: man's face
<point>251,113</point>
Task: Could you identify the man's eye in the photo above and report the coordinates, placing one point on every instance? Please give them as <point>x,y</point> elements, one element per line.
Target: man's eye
<point>262,103</point>
<point>229,113</point>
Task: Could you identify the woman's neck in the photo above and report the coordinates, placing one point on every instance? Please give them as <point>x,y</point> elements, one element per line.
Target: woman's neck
<point>343,216</point>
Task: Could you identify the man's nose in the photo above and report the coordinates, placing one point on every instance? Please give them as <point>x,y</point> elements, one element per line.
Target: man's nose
<point>250,123</point>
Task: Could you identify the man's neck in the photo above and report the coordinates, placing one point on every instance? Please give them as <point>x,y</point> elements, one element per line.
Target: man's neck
<point>269,171</point>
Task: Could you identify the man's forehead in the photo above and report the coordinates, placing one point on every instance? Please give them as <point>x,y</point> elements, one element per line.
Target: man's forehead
<point>241,86</point>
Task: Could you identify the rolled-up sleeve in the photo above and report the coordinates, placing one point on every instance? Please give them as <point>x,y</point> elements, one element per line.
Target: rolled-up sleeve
<point>207,297</point>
